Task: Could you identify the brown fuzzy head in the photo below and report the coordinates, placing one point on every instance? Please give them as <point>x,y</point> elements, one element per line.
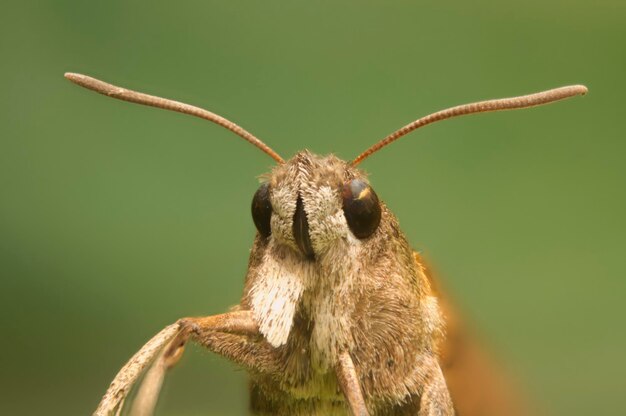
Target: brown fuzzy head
<point>317,204</point>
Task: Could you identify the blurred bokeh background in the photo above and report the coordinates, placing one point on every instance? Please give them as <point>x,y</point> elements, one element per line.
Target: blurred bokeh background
<point>116,219</point>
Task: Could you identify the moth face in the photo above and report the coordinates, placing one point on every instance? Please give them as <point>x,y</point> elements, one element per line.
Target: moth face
<point>312,204</point>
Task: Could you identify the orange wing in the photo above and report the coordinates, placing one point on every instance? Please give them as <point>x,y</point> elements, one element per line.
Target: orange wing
<point>477,385</point>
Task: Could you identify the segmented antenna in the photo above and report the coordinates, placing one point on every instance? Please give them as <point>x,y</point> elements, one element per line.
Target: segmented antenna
<point>153,101</point>
<point>513,103</point>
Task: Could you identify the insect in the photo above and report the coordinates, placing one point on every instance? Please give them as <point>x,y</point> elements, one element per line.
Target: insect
<point>338,314</point>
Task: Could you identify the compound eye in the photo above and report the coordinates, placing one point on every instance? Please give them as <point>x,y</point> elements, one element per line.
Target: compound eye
<point>361,208</point>
<point>262,210</point>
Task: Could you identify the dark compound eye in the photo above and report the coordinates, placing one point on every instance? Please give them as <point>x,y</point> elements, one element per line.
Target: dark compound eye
<point>361,208</point>
<point>262,210</point>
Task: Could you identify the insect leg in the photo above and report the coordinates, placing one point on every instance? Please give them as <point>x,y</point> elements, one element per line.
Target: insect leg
<point>244,347</point>
<point>349,383</point>
<point>113,399</point>
<point>234,343</point>
<point>168,345</point>
<point>435,399</point>
<point>148,393</point>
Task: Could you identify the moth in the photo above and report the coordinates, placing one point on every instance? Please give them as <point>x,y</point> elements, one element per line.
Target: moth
<point>338,314</point>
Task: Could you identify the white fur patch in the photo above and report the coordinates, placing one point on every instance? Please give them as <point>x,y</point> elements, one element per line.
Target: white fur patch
<point>275,297</point>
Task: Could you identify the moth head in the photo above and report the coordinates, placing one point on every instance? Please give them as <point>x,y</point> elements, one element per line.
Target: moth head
<point>314,203</point>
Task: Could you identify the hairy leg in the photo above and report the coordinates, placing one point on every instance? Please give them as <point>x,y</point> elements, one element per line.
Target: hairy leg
<point>349,383</point>
<point>113,399</point>
<point>233,335</point>
<point>148,393</point>
<point>435,399</point>
<point>241,346</point>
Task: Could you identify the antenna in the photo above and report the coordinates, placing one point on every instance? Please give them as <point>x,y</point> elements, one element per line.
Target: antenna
<point>153,101</point>
<point>524,101</point>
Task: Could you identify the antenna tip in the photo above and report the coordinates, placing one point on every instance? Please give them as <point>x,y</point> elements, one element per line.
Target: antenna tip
<point>89,82</point>
<point>79,79</point>
<point>583,89</point>
<point>71,76</point>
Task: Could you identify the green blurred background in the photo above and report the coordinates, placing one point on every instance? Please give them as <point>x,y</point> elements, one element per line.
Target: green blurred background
<point>117,219</point>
